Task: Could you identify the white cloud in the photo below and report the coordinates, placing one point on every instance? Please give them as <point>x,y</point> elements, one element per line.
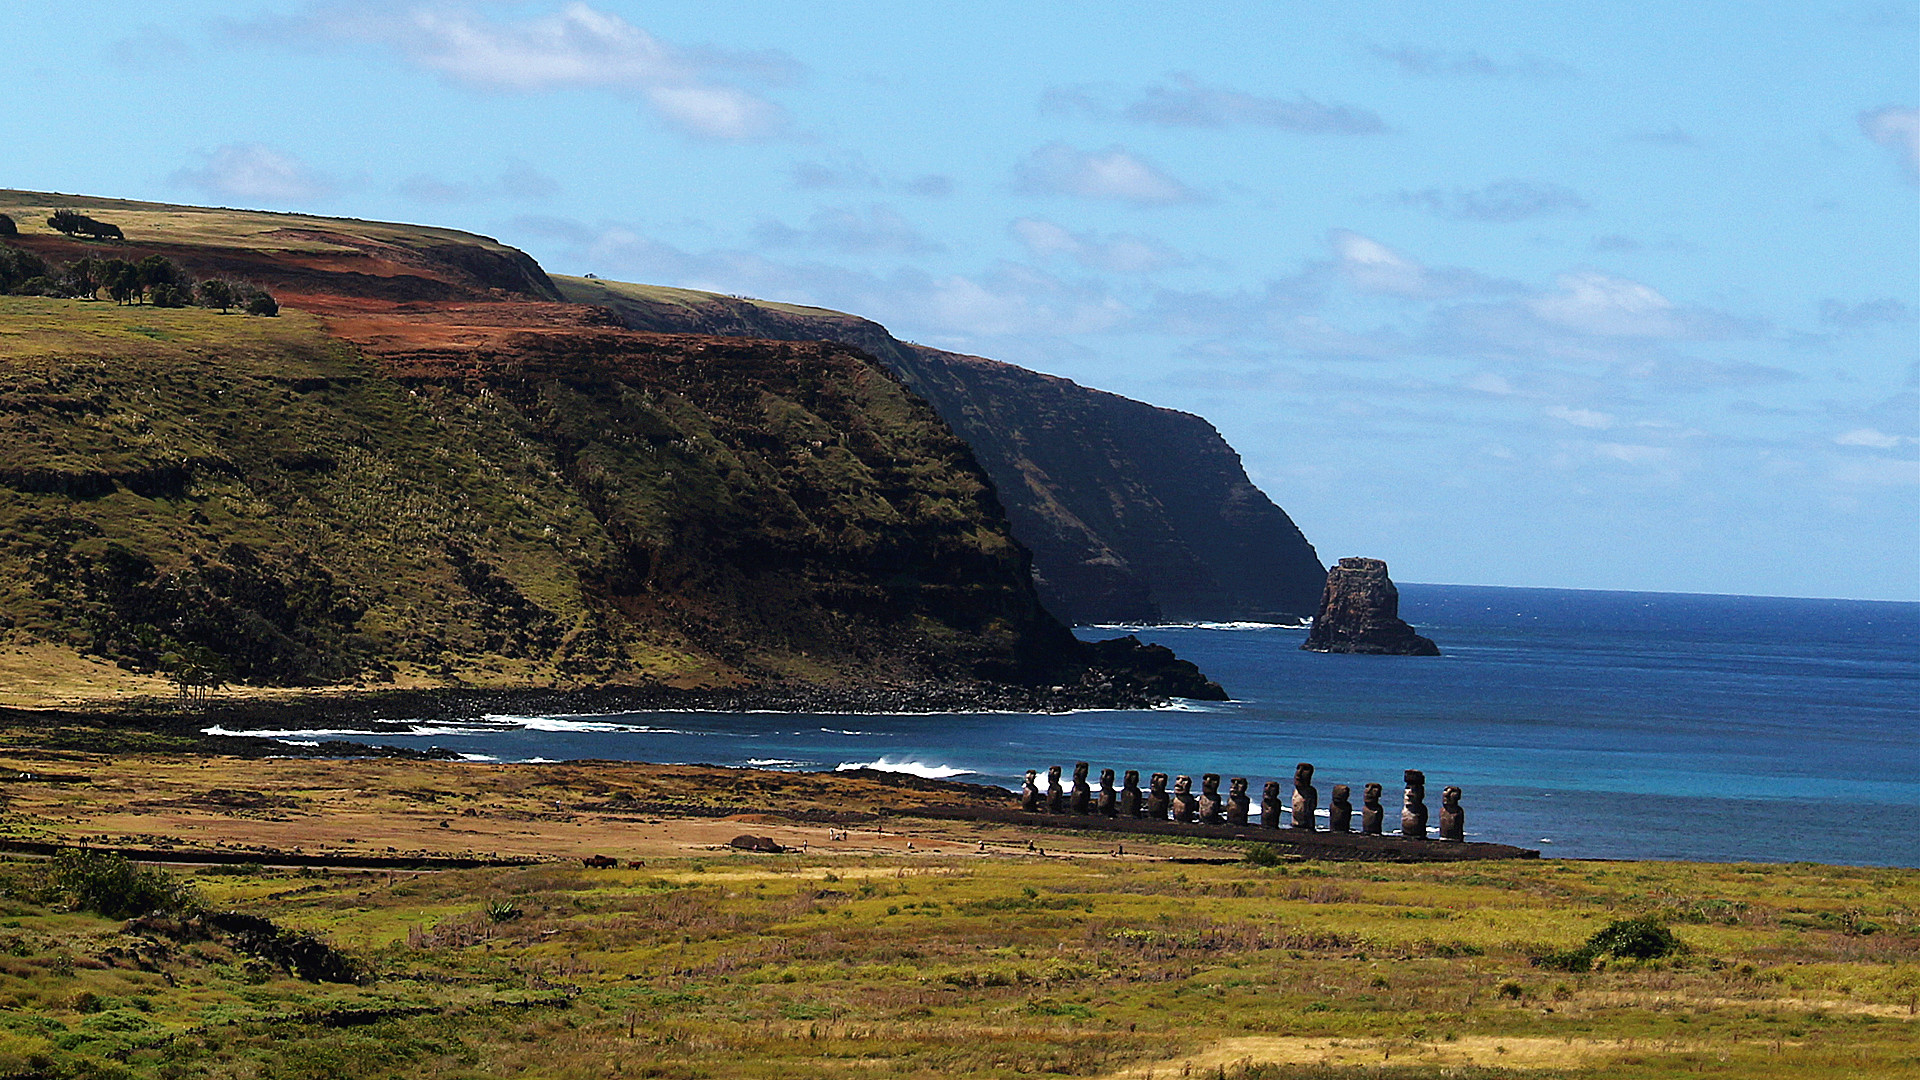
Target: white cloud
<point>1594,303</point>
<point>1370,266</point>
<point>1582,418</point>
<point>252,171</point>
<point>1120,254</point>
<point>1189,103</point>
<point>576,47</point>
<point>1114,173</point>
<point>1898,130</point>
<point>1870,437</point>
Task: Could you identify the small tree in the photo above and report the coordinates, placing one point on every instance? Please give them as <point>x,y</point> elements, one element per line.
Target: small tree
<point>197,672</point>
<point>66,221</point>
<point>7,227</point>
<point>122,280</point>
<point>169,296</point>
<point>82,278</point>
<point>158,270</point>
<point>215,293</point>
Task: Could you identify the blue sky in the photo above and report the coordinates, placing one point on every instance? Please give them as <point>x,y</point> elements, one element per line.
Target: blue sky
<point>1582,295</point>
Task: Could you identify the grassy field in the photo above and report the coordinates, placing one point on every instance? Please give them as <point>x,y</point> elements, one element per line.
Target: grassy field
<point>871,959</point>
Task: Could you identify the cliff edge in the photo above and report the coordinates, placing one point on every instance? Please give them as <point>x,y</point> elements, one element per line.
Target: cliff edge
<point>1134,513</point>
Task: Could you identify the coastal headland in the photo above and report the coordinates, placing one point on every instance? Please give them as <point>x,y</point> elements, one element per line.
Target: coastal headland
<point>362,918</point>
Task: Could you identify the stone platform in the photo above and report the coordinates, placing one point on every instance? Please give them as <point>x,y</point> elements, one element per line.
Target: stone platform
<point>1296,842</point>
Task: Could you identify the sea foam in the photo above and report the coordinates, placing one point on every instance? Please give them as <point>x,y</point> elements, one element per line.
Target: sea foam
<point>912,768</point>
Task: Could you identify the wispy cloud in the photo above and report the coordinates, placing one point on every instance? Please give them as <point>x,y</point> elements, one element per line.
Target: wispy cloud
<point>1186,102</point>
<point>1897,129</point>
<point>519,181</point>
<point>255,172</point>
<point>1114,173</point>
<point>1885,311</point>
<point>1120,254</point>
<point>873,230</point>
<point>575,47</point>
<point>1672,136</point>
<point>1470,64</point>
<point>850,172</point>
<point>1500,201</point>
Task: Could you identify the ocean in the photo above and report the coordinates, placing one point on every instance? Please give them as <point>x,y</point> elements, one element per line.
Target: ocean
<point>1584,724</point>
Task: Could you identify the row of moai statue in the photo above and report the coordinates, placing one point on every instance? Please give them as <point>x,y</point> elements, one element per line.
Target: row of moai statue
<point>1208,808</point>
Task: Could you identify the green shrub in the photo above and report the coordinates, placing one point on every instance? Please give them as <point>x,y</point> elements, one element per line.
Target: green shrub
<point>1263,855</point>
<point>108,884</point>
<point>1644,938</point>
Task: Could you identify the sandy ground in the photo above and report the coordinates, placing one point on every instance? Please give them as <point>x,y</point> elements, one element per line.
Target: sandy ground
<point>622,810</point>
<point>1513,1052</point>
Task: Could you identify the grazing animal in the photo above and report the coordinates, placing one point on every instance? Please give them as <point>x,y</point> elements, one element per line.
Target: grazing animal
<point>600,862</point>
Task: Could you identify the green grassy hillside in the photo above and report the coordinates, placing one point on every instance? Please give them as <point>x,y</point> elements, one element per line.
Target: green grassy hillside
<point>178,479</point>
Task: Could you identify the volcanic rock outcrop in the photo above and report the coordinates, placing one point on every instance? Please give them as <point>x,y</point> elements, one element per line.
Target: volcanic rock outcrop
<point>1360,613</point>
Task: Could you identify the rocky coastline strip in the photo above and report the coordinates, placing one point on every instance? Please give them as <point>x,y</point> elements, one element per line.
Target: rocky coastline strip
<point>134,724</point>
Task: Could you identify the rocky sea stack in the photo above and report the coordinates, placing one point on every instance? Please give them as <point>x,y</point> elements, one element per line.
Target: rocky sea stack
<point>1360,613</point>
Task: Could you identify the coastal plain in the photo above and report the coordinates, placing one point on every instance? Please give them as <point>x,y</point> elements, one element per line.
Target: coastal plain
<point>881,943</point>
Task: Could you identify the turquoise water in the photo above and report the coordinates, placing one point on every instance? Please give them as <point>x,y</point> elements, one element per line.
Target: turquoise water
<point>1594,724</point>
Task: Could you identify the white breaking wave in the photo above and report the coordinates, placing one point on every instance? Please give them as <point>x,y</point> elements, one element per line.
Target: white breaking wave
<point>774,762</point>
<point>336,733</point>
<point>912,768</point>
<point>478,757</point>
<point>840,731</point>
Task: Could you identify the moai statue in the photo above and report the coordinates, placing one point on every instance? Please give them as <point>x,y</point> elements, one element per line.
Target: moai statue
<point>1131,804</point>
<point>1340,809</point>
<point>1306,798</point>
<point>1030,793</point>
<point>1157,802</point>
<point>1185,805</point>
<point>1211,810</point>
<point>1270,805</point>
<point>1106,805</point>
<point>1413,817</point>
<point>1371,812</point>
<point>1453,820</point>
<point>1082,794</point>
<point>1056,798</point>
<point>1237,805</point>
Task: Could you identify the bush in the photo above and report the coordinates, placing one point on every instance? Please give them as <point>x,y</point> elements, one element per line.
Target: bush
<point>262,303</point>
<point>108,884</point>
<point>1263,855</point>
<point>18,267</point>
<point>1645,938</point>
<point>7,227</point>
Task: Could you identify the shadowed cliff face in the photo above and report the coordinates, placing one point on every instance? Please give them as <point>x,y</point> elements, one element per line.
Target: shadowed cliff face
<point>1133,512</point>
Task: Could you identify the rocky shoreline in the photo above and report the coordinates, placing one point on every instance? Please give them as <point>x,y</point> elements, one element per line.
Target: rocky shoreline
<point>135,724</point>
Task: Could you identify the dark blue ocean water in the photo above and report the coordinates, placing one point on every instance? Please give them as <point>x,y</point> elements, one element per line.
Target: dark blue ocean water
<point>1593,724</point>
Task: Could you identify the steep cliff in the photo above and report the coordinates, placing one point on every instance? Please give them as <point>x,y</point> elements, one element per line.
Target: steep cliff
<point>422,474</point>
<point>1133,512</point>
